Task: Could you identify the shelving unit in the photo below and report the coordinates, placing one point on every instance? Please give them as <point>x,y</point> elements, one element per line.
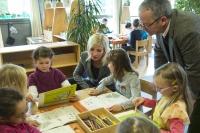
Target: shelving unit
<point>66,56</point>
<point>55,22</point>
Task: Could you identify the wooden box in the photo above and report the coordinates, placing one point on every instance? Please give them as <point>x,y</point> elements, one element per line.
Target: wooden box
<point>103,113</point>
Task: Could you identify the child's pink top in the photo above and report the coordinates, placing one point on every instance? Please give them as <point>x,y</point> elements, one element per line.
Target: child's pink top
<point>20,128</point>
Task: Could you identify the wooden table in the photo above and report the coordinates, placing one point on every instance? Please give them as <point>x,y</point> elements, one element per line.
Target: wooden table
<point>82,94</point>
<point>117,43</point>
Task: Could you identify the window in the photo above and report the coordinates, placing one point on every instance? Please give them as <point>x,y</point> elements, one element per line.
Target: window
<point>107,12</point>
<point>107,8</point>
<point>134,7</point>
<point>13,9</point>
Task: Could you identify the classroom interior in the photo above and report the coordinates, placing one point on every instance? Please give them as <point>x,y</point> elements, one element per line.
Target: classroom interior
<point>27,24</point>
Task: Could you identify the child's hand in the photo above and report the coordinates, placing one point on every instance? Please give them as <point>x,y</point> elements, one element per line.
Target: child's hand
<point>73,98</point>
<point>115,108</point>
<point>94,92</point>
<point>29,98</point>
<point>138,101</point>
<point>33,123</point>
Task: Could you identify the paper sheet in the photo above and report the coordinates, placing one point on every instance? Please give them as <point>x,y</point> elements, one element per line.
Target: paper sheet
<point>62,129</point>
<point>104,100</point>
<point>56,117</point>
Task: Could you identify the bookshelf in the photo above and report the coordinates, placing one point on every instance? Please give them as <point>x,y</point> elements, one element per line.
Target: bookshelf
<point>66,56</point>
<point>55,22</point>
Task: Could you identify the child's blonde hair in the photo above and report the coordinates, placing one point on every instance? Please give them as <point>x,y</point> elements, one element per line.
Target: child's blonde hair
<point>137,125</point>
<point>13,76</point>
<point>175,75</point>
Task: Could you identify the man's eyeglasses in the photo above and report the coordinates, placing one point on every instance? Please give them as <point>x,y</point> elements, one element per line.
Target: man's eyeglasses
<point>149,25</point>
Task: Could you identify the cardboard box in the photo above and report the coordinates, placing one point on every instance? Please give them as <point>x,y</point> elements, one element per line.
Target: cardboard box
<point>98,112</point>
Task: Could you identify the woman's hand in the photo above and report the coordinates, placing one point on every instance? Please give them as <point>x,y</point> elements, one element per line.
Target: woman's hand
<point>73,98</point>
<point>138,101</point>
<point>115,108</point>
<point>94,92</point>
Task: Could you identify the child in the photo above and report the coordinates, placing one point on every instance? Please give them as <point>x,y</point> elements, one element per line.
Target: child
<point>45,78</point>
<point>13,110</point>
<point>13,76</point>
<point>128,29</point>
<point>137,125</point>
<point>123,76</point>
<point>170,113</point>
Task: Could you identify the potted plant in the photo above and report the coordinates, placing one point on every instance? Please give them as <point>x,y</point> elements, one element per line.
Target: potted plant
<point>83,21</point>
<point>189,5</point>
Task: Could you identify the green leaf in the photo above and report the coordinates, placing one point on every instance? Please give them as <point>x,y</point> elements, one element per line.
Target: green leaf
<point>85,22</point>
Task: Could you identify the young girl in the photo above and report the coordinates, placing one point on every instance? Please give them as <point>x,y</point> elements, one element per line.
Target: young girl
<point>123,76</point>
<point>45,78</point>
<point>13,76</point>
<point>171,112</point>
<point>13,110</point>
<point>137,125</point>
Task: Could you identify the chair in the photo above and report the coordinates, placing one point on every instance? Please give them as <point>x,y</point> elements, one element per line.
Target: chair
<point>148,87</point>
<point>141,50</point>
<point>149,46</point>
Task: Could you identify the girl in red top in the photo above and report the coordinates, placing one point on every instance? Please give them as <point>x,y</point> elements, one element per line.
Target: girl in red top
<point>171,112</point>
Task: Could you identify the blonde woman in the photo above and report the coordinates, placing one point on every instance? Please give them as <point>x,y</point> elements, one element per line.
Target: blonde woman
<point>91,67</point>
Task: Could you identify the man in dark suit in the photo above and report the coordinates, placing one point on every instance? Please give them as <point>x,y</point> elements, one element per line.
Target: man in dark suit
<point>178,40</point>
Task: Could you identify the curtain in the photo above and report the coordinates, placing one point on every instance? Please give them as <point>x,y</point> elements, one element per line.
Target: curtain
<point>116,14</point>
<point>35,17</point>
<point>1,39</point>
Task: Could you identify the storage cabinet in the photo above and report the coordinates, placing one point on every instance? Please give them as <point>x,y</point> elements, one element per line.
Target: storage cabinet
<point>67,55</point>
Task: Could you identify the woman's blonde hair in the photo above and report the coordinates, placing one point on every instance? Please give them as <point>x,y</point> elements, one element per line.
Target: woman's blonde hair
<point>137,124</point>
<point>13,76</point>
<point>98,39</point>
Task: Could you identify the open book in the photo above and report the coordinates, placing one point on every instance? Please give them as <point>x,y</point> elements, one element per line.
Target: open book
<point>105,100</point>
<point>62,129</point>
<point>57,95</point>
<point>55,118</point>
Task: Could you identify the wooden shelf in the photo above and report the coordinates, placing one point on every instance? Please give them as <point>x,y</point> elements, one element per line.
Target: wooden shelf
<point>31,69</point>
<point>55,22</point>
<point>62,38</point>
<point>67,54</point>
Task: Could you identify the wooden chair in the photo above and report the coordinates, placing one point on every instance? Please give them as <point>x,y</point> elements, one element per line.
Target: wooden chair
<point>149,46</point>
<point>141,50</point>
<point>148,87</point>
